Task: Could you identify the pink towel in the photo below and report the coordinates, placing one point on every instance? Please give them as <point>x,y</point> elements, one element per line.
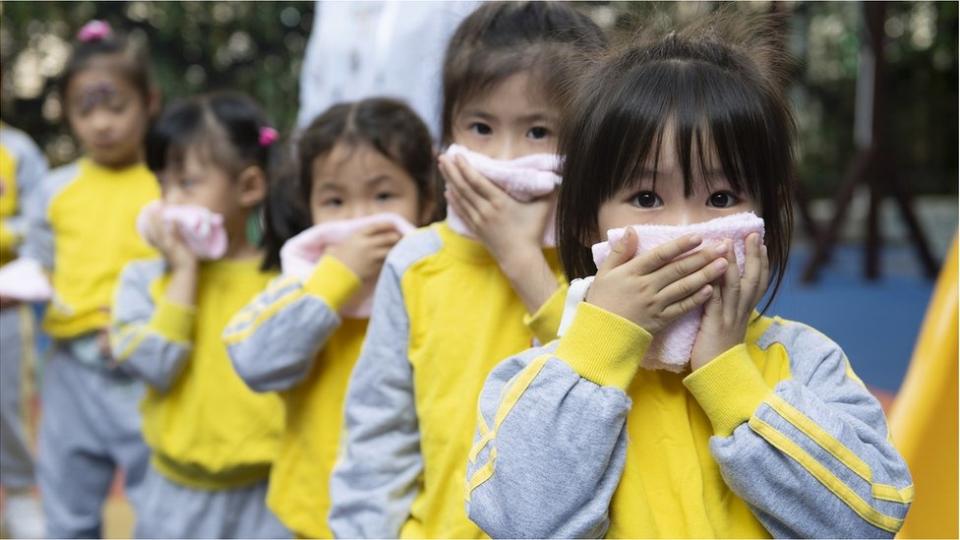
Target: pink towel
<point>25,280</point>
<point>299,255</point>
<point>201,229</point>
<point>525,179</point>
<point>671,347</point>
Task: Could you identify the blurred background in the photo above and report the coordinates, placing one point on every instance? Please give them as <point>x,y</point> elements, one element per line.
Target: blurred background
<point>874,91</point>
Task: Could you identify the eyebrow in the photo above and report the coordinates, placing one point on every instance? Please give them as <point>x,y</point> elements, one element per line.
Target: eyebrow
<point>376,179</point>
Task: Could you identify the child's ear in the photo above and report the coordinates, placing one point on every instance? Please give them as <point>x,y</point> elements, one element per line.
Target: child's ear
<point>251,186</point>
<point>154,101</point>
<point>428,211</point>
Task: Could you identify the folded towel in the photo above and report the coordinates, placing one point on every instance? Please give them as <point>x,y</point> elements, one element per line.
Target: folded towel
<point>25,280</point>
<point>671,347</point>
<point>201,229</point>
<point>299,255</point>
<point>525,179</point>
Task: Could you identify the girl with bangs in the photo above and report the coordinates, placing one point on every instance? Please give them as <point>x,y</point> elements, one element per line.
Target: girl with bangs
<point>670,407</point>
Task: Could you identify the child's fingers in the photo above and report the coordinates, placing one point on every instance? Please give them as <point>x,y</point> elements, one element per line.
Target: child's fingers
<point>679,269</point>
<point>621,251</point>
<point>751,272</point>
<point>730,292</point>
<point>684,287</point>
<point>467,213</point>
<point>478,184</point>
<point>665,254</point>
<point>764,277</point>
<point>689,303</point>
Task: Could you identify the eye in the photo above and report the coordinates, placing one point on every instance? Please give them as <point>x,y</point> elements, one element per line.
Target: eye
<point>722,199</point>
<point>480,128</point>
<point>538,132</point>
<point>333,202</point>
<point>647,199</point>
<point>187,183</point>
<point>384,196</point>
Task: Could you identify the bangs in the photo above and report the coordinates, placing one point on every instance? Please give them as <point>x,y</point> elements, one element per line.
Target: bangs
<point>184,129</point>
<point>714,121</point>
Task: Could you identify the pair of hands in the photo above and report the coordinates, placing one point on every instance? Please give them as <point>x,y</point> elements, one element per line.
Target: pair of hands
<point>655,288</point>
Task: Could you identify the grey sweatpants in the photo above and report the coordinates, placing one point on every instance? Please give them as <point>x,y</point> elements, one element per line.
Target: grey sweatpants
<point>89,428</point>
<point>171,510</point>
<point>16,348</point>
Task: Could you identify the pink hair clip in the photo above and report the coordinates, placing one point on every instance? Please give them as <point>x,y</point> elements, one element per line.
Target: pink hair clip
<point>94,31</point>
<point>268,136</point>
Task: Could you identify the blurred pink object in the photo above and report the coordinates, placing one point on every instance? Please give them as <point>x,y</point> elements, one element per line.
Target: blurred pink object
<point>94,31</point>
<point>201,229</point>
<point>671,347</point>
<point>300,254</point>
<point>268,136</point>
<point>525,179</point>
<point>25,280</point>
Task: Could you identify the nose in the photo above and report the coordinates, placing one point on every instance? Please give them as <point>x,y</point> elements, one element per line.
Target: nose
<point>505,148</point>
<point>173,196</point>
<point>101,122</point>
<point>360,209</point>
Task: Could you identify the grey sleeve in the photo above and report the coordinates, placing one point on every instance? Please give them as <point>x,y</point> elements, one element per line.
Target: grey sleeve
<point>274,340</point>
<point>377,473</point>
<point>31,169</point>
<point>541,425</point>
<point>151,342</point>
<point>814,459</point>
<point>38,242</point>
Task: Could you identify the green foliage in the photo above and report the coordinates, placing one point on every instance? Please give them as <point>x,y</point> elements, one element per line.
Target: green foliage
<point>257,47</point>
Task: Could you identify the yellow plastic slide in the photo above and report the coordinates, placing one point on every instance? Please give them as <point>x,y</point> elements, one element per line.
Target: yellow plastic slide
<point>924,415</point>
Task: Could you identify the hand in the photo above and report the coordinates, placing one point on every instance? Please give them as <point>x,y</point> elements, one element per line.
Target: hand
<point>166,238</point>
<point>505,225</point>
<point>511,230</point>
<point>727,313</point>
<point>655,288</point>
<point>365,250</point>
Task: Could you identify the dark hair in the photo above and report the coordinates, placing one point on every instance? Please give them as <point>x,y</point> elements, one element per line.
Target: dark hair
<point>500,39</point>
<point>225,126</point>
<point>127,58</point>
<point>717,84</point>
<point>388,126</point>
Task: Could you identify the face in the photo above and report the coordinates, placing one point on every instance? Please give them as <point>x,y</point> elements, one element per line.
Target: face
<point>354,181</point>
<point>108,115</point>
<point>509,121</point>
<point>642,203</point>
<point>200,182</point>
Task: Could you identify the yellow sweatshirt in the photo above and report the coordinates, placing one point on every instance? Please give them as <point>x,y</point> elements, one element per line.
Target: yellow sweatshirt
<point>207,430</point>
<point>774,437</point>
<point>444,315</point>
<point>22,168</point>
<point>291,340</point>
<point>85,234</point>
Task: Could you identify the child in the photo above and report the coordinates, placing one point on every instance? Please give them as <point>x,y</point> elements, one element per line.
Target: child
<point>409,410</point>
<point>22,167</point>
<point>300,337</point>
<point>766,431</point>
<point>83,234</point>
<point>212,439</point>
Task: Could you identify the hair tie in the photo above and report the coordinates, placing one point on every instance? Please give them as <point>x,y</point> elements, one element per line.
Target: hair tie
<point>94,31</point>
<point>268,136</point>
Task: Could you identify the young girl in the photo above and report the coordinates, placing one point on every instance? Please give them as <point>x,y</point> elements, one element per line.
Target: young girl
<point>212,439</point>
<point>767,431</point>
<point>409,410</point>
<point>301,338</point>
<point>22,167</point>
<point>83,233</point>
